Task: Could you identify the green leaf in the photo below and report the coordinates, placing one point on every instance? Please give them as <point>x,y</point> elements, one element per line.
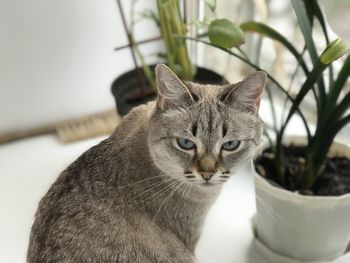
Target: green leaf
<point>223,33</point>
<point>332,122</point>
<point>310,81</point>
<point>265,30</point>
<point>211,4</point>
<point>336,49</point>
<point>333,51</point>
<point>341,124</point>
<point>310,10</point>
<point>306,28</point>
<point>312,78</point>
<point>343,106</point>
<point>202,35</point>
<point>338,85</point>
<point>319,15</point>
<point>199,24</point>
<point>327,138</point>
<point>150,14</point>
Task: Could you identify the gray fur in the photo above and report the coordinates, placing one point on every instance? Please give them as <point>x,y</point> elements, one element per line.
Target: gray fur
<point>128,199</point>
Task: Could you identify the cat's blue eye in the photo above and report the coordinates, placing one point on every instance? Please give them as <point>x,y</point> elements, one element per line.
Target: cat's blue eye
<point>231,145</point>
<point>185,144</point>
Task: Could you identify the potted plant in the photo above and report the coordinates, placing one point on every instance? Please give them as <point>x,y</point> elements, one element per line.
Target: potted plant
<point>138,85</point>
<point>303,183</point>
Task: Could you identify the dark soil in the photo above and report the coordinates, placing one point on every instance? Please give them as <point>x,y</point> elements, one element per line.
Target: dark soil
<point>334,181</point>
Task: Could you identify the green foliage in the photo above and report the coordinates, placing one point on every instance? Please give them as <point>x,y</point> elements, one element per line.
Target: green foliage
<point>335,50</point>
<point>266,31</point>
<point>171,25</point>
<point>223,33</point>
<point>211,4</point>
<point>168,18</point>
<point>152,15</point>
<point>330,108</point>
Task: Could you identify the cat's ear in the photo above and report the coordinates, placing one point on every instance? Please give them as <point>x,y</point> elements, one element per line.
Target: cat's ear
<point>172,92</point>
<point>246,94</point>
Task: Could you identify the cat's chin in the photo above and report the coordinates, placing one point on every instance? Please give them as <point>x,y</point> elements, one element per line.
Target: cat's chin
<point>205,186</point>
<point>208,185</point>
<point>208,189</point>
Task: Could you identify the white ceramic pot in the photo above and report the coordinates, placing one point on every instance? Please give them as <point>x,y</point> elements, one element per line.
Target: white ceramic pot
<point>302,228</point>
<point>263,254</point>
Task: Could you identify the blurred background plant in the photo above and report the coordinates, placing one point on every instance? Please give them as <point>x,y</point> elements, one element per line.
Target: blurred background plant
<point>174,27</point>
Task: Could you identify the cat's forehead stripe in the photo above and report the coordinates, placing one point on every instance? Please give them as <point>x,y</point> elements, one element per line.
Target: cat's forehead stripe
<point>224,129</point>
<point>210,120</point>
<point>194,128</point>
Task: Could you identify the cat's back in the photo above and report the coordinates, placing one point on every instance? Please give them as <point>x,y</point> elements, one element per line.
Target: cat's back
<point>63,209</point>
<point>137,119</point>
<point>83,194</point>
<point>101,164</point>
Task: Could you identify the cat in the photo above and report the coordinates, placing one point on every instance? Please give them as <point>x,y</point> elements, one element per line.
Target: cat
<point>142,194</point>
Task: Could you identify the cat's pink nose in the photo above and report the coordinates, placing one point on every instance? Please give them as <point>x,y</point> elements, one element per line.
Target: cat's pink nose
<point>207,174</point>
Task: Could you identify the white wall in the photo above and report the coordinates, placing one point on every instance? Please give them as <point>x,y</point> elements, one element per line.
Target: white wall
<point>57,59</point>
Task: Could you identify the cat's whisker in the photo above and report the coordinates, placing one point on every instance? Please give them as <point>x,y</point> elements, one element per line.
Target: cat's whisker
<point>147,189</point>
<point>188,185</point>
<point>183,183</point>
<point>141,181</point>
<point>167,198</point>
<point>178,202</point>
<point>152,198</point>
<point>160,193</point>
<point>159,182</point>
<point>163,191</point>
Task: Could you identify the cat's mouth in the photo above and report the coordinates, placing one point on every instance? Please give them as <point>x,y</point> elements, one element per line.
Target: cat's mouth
<point>207,184</point>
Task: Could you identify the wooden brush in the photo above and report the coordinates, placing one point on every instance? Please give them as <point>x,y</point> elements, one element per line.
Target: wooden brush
<point>71,130</point>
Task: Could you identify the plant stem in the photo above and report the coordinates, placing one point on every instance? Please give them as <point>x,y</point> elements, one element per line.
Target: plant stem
<point>146,69</point>
<point>164,30</point>
<point>180,48</point>
<point>127,32</point>
<point>171,25</point>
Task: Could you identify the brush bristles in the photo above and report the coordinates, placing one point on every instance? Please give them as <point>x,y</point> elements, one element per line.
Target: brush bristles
<point>88,127</point>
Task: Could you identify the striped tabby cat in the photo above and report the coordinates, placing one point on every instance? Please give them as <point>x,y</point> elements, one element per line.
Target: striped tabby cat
<point>142,194</point>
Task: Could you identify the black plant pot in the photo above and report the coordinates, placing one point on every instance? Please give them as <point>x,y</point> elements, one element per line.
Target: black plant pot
<point>127,93</point>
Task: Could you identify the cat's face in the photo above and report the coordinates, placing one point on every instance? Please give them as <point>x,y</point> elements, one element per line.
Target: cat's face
<point>202,134</point>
